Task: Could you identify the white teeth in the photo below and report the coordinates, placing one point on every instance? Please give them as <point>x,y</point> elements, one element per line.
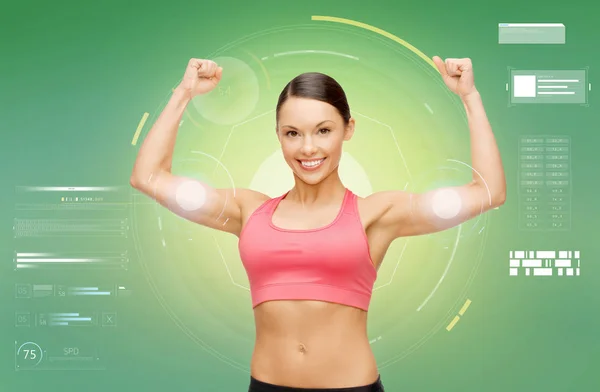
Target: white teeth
<point>311,163</point>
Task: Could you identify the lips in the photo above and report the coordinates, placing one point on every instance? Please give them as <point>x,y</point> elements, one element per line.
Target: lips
<point>311,164</point>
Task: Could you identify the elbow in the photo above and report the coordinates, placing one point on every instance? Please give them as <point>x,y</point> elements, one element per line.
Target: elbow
<point>499,196</point>
<point>499,199</point>
<point>134,181</point>
<point>141,179</point>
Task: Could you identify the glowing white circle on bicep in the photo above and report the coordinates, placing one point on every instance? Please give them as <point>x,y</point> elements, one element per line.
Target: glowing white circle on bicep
<point>446,203</point>
<point>190,195</point>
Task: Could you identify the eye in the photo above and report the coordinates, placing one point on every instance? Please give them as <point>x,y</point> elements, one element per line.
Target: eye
<point>291,133</point>
<point>324,130</point>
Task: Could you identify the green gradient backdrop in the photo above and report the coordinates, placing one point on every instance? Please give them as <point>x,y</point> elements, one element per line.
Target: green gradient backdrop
<point>77,80</point>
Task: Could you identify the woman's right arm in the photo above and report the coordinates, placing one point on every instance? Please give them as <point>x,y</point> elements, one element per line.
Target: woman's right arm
<point>189,198</point>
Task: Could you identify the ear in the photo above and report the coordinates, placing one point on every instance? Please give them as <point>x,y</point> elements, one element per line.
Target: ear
<point>349,129</point>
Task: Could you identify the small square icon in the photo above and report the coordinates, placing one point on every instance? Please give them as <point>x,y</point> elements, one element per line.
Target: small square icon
<point>22,290</point>
<point>524,86</point>
<point>109,319</point>
<point>22,319</point>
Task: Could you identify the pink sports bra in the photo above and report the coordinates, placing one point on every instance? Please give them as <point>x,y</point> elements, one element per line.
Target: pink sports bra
<point>330,263</point>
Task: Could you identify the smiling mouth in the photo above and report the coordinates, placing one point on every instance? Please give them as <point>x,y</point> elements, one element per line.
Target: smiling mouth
<point>311,163</point>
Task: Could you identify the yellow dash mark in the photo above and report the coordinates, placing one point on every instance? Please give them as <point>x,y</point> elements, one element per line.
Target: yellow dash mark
<point>452,323</point>
<point>139,129</point>
<point>378,31</point>
<point>465,307</point>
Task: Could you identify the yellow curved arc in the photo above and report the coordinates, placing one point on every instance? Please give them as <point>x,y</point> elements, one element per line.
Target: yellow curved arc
<point>378,31</point>
<point>262,67</point>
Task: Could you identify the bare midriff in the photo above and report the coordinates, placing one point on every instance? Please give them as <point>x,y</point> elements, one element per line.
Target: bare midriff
<point>312,344</point>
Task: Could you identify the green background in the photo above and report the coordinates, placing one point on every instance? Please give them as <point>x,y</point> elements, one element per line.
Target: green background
<point>77,78</point>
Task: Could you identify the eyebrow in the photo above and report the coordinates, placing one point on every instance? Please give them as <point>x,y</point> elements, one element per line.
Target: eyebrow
<point>293,127</point>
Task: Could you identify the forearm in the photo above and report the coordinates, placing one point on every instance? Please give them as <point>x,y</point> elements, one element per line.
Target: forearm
<point>485,156</point>
<point>156,152</point>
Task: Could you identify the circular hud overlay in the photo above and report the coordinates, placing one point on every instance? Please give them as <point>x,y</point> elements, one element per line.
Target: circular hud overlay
<point>411,134</point>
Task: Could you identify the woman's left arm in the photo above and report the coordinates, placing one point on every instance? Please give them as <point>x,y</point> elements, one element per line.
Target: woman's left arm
<point>410,214</point>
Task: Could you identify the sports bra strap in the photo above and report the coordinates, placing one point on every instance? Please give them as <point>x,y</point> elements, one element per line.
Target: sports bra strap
<point>273,203</point>
<point>349,206</point>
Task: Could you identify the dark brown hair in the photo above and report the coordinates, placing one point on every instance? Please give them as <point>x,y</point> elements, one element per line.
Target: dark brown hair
<point>315,85</point>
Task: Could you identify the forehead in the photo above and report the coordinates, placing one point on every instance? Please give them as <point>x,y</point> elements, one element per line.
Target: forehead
<point>303,111</point>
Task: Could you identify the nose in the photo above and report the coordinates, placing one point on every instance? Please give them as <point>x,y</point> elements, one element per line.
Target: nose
<point>308,147</point>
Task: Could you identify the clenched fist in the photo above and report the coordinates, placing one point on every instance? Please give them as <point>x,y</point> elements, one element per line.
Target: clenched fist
<point>457,74</point>
<point>200,77</point>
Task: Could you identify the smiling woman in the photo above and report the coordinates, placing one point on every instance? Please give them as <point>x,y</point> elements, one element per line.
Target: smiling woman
<point>313,118</point>
<point>312,254</point>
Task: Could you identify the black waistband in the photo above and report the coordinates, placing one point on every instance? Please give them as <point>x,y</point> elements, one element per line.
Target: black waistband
<point>261,386</point>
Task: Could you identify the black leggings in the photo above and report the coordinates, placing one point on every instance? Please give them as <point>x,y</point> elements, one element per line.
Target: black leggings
<point>260,386</point>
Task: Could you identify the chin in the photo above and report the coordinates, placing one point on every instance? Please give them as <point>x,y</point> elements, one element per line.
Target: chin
<point>312,177</point>
<point>312,180</point>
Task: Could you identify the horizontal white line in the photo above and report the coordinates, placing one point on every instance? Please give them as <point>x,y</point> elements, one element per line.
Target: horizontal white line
<point>558,80</point>
<point>557,93</point>
<point>314,51</point>
<point>90,293</point>
<point>59,260</point>
<point>531,25</point>
<point>70,188</point>
<point>71,319</point>
<point>33,254</point>
<point>552,86</point>
<point>43,287</point>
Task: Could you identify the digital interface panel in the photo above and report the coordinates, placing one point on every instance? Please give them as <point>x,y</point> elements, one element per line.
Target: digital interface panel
<point>71,258</point>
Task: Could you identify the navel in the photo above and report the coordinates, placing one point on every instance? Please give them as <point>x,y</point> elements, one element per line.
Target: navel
<point>302,348</point>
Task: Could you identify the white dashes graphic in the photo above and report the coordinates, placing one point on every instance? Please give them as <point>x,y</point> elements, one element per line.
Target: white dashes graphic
<point>544,263</point>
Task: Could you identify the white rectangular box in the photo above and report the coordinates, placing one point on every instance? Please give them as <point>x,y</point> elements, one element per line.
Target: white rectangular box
<point>546,254</point>
<point>542,271</point>
<point>560,272</point>
<point>549,86</point>
<point>569,271</point>
<point>524,86</point>
<point>527,271</point>
<point>531,33</point>
<point>532,263</point>
<point>519,254</point>
<point>562,263</point>
<point>514,263</point>
<point>563,254</point>
<point>576,254</point>
<point>514,271</point>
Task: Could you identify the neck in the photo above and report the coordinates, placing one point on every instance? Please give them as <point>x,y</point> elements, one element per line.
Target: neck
<point>326,191</point>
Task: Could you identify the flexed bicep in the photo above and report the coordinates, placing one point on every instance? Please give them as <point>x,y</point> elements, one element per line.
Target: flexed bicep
<point>195,200</point>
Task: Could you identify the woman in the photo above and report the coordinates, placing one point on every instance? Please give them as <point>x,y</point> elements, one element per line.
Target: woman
<point>312,254</point>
